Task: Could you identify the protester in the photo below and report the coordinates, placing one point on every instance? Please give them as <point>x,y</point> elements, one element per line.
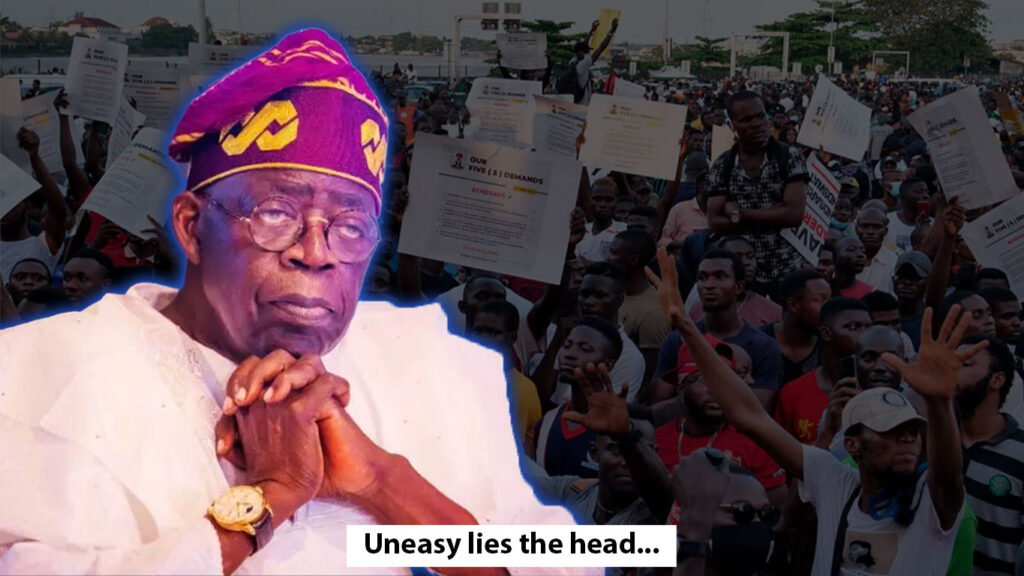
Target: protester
<point>26,276</point>
<point>805,292</point>
<point>850,261</point>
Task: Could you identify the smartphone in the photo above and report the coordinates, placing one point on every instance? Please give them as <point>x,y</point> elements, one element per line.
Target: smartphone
<point>924,208</point>
<point>848,367</point>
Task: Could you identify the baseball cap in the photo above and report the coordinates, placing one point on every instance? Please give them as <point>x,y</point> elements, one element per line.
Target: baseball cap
<point>918,260</point>
<point>851,182</point>
<point>687,365</point>
<point>880,409</point>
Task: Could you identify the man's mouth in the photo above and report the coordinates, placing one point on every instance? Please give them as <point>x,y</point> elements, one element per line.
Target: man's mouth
<point>304,309</point>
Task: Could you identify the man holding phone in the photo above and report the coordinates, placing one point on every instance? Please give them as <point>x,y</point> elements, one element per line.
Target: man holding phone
<point>914,209</point>
<point>802,401</point>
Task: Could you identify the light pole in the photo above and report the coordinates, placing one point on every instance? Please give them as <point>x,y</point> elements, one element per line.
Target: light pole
<point>832,40</point>
<point>202,22</point>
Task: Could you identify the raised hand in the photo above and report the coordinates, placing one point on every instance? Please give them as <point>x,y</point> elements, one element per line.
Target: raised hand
<point>841,394</point>
<point>606,410</point>
<point>953,217</point>
<point>668,290</point>
<point>28,140</point>
<point>934,374</point>
<point>577,226</point>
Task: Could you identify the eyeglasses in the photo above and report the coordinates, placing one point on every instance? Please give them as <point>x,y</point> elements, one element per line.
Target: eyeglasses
<point>276,224</point>
<point>744,512</point>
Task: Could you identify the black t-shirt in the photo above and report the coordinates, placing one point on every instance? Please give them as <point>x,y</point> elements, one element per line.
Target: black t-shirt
<point>793,370</point>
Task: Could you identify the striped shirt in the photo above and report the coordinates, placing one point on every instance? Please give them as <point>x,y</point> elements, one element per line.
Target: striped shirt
<point>994,479</point>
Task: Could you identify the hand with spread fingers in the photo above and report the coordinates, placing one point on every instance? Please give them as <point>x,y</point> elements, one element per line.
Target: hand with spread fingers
<point>668,291</point>
<point>934,374</point>
<point>606,410</point>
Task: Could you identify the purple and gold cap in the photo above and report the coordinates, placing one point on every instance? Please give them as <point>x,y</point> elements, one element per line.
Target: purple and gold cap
<point>300,105</point>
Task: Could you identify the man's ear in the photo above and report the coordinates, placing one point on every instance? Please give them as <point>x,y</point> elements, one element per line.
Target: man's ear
<point>853,447</point>
<point>826,333</point>
<point>997,381</point>
<point>792,305</point>
<point>185,212</point>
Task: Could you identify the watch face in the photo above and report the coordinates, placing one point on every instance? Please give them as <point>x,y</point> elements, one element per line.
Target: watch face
<point>240,505</point>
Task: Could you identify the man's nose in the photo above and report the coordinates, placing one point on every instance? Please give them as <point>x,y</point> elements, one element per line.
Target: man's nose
<point>311,250</point>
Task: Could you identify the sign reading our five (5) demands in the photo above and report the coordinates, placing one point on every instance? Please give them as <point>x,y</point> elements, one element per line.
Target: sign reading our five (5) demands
<point>489,206</point>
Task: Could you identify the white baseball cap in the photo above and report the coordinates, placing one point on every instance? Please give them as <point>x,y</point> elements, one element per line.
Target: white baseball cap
<point>880,409</point>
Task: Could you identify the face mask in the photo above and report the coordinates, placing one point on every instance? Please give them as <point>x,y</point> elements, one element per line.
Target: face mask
<point>895,192</point>
<point>741,549</point>
<point>837,225</point>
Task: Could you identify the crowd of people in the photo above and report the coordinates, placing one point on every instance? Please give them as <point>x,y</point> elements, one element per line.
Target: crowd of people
<point>856,415</point>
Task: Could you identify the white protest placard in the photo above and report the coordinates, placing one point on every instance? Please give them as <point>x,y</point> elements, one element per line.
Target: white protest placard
<point>556,126</point>
<point>996,239</point>
<point>501,111</point>
<point>489,206</point>
<point>11,120</point>
<point>121,131</point>
<point>41,117</point>
<point>822,192</point>
<point>158,93</point>
<point>633,136</point>
<point>964,152</point>
<point>95,80</point>
<point>523,50</point>
<point>722,140</point>
<point>836,122</point>
<point>15,185</point>
<point>138,185</point>
<point>627,89</point>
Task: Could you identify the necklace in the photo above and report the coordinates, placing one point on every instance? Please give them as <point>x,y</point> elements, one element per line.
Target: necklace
<point>682,432</point>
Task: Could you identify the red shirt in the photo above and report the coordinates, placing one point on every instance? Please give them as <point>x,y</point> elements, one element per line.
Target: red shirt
<point>671,445</point>
<point>800,406</point>
<point>858,290</point>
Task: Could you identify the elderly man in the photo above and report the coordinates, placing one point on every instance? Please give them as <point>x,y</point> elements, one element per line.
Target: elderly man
<point>109,443</point>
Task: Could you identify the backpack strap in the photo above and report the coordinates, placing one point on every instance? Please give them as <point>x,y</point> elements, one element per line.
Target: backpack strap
<point>844,522</point>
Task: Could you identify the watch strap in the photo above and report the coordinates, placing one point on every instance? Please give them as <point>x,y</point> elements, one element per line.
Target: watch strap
<point>264,530</point>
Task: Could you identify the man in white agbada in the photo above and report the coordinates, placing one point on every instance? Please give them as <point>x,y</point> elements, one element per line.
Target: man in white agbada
<point>122,452</point>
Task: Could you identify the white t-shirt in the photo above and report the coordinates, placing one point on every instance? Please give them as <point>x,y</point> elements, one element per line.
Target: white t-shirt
<point>583,77</point>
<point>32,247</point>
<point>899,233</point>
<point>886,547</point>
<point>594,248</point>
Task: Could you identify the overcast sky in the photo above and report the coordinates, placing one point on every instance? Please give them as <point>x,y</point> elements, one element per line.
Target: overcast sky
<point>642,20</point>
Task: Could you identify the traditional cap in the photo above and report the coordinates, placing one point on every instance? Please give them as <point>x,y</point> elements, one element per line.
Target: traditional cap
<point>851,182</point>
<point>917,260</point>
<point>687,365</point>
<point>300,105</point>
<point>880,409</point>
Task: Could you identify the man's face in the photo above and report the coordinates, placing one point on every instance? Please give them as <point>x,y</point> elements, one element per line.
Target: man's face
<point>480,292</point>
<point>887,318</point>
<point>893,455</point>
<point>622,208</point>
<point>872,371</point>
<point>908,284</point>
<point>826,264</point>
<point>603,198</point>
<point>746,253</point>
<point>716,284</point>
<point>695,142</point>
<point>84,278</point>
<point>600,296</point>
<point>699,402</point>
<point>489,329</point>
<point>845,329</point>
<point>612,468</point>
<point>583,345</point>
<point>843,211</point>
<point>911,195</point>
<point>872,226</point>
<point>980,314</point>
<point>1006,316</point>
<point>301,299</point>
<point>973,380</point>
<point>851,257</point>
<point>816,293</point>
<point>750,122</point>
<point>26,277</point>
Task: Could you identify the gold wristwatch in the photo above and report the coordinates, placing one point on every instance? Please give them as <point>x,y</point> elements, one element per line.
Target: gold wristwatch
<point>243,509</point>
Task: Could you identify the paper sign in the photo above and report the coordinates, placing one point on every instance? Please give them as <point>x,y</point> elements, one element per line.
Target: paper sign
<point>11,120</point>
<point>996,239</point>
<point>633,136</point>
<point>158,92</point>
<point>501,111</point>
<point>822,192</point>
<point>95,79</point>
<point>128,121</point>
<point>722,139</point>
<point>138,185</point>
<point>491,207</point>
<point>556,126</point>
<point>523,51</point>
<point>836,122</point>
<point>211,59</point>
<point>627,89</point>
<point>604,27</point>
<point>15,185</point>
<point>41,117</point>
<point>966,156</point>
